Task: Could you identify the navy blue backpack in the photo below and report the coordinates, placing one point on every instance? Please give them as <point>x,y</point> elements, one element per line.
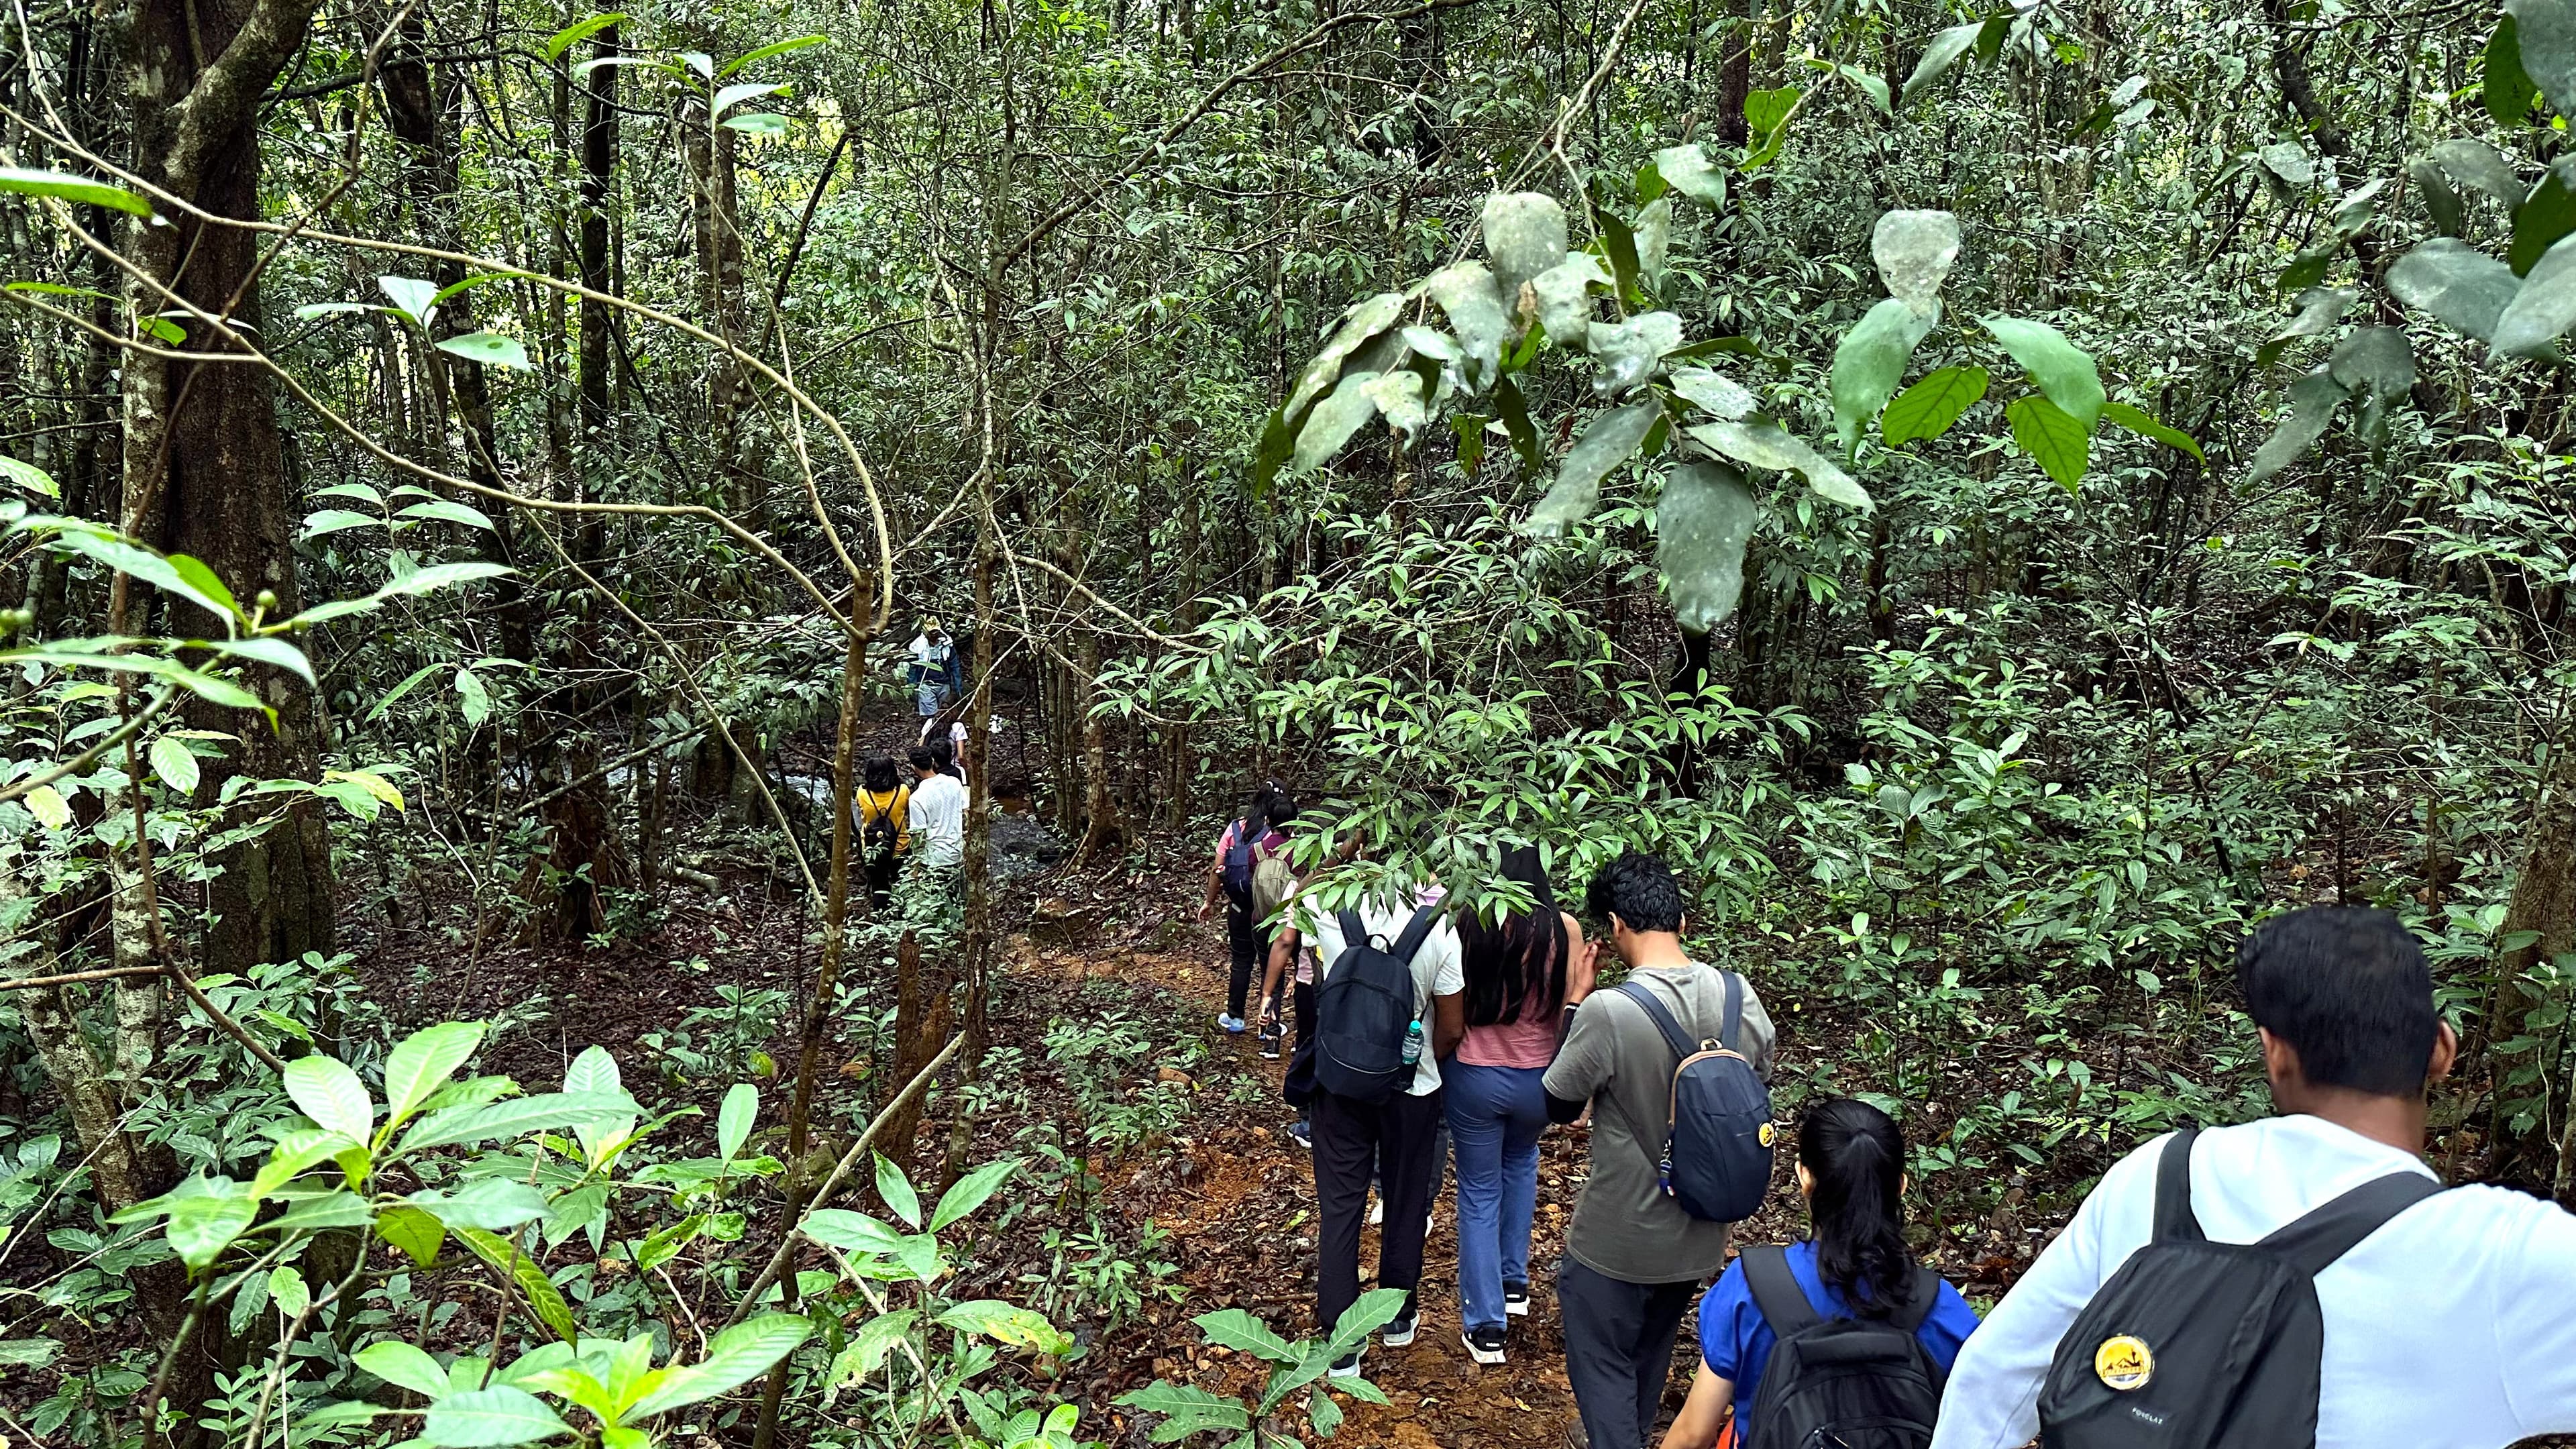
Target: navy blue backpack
<point>1717,1146</point>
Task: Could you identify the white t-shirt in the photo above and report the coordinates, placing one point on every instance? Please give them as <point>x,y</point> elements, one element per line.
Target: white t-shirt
<point>1439,968</point>
<point>2453,1327</point>
<point>939,819</point>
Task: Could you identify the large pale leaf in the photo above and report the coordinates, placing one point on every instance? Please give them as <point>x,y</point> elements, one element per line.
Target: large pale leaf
<point>1235,1329</point>
<point>734,1357</point>
<point>411,296</point>
<point>1333,422</point>
<point>172,762</point>
<point>1613,437</point>
<point>489,1419</point>
<point>30,477</point>
<point>1915,250</point>
<point>2545,216</point>
<point>1935,402</point>
<point>1767,445</point>
<point>896,1190</point>
<point>733,1120</point>
<point>1939,55</point>
<point>2057,442</point>
<point>1628,350</point>
<point>397,1362</point>
<point>2374,360</point>
<point>2480,167</point>
<point>2064,371</point>
<point>1469,296</point>
<point>1363,322</point>
<point>1654,237</point>
<point>490,348</point>
<point>2313,400</point>
<point>1701,527</point>
<point>970,1192</point>
<point>1187,1410</point>
<point>421,1063</point>
<point>584,1112</point>
<point>1713,393</point>
<point>2319,309</point>
<point>1375,1309</point>
<point>203,1223</point>
<point>535,1288</point>
<point>1008,1323</point>
<point>76,189</point>
<point>1398,398</point>
<point>332,1096</point>
<point>2506,88</point>
<point>2543,307</point>
<point>490,1203</point>
<point>1871,361</point>
<point>595,1071</point>
<point>2144,424</point>
<point>2545,31</point>
<point>1687,170</point>
<point>1565,301</point>
<point>2441,203</point>
<point>1524,236</point>
<point>2463,288</point>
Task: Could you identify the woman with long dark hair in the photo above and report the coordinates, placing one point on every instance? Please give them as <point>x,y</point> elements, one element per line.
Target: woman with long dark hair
<point>1853,1264</point>
<point>1229,877</point>
<point>1524,968</point>
<point>883,807</point>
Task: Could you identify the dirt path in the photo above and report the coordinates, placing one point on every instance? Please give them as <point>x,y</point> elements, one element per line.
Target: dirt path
<point>1238,1196</point>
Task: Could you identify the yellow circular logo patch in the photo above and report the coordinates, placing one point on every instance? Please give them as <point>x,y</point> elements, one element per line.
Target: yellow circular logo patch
<point>2124,1363</point>
<point>1767,1135</point>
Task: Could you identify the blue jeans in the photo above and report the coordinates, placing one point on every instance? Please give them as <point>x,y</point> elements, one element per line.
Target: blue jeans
<point>1495,1117</point>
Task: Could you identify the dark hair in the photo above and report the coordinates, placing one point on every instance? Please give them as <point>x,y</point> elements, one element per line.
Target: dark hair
<point>2350,990</point>
<point>1271,805</point>
<point>922,757</point>
<point>1515,960</point>
<point>1857,1158</point>
<point>1640,889</point>
<point>944,750</point>
<point>880,773</point>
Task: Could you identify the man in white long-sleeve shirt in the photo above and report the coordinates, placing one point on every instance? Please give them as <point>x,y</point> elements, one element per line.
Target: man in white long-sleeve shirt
<point>2452,1327</point>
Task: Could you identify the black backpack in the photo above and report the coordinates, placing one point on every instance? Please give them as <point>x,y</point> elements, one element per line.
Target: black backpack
<point>1840,1383</point>
<point>2202,1345</point>
<point>878,836</point>
<point>1717,1137</point>
<point>1365,1011</point>
<point>1237,874</point>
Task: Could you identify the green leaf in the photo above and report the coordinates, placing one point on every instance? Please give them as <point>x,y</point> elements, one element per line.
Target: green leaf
<point>331,1095</point>
<point>768,125</point>
<point>176,767</point>
<point>320,1214</point>
<point>494,1204</point>
<point>441,509</point>
<point>411,296</point>
<point>1375,1310</point>
<point>1619,247</point>
<point>296,1151</point>
<point>30,477</point>
<point>1935,402</point>
<point>2374,360</point>
<point>2313,400</point>
<point>404,1365</point>
<point>2506,87</point>
<point>734,1357</point>
<point>897,1191</point>
<point>579,31</point>
<point>422,1062</point>
<point>1324,1414</point>
<point>1713,393</point>
<point>1702,525</point>
<point>1235,1329</point>
<point>534,1286</point>
<point>2064,371</point>
<point>1187,1410</point>
<point>103,544</point>
<point>775,47</point>
<point>1764,111</point>
<point>204,1223</point>
<point>1941,53</point>
<point>490,1418</point>
<point>76,189</point>
<point>595,1071</point>
<point>1871,361</point>
<point>416,1233</point>
<point>735,95</point>
<point>1689,172</point>
<point>1363,322</point>
<point>1767,445</point>
<point>970,1192</point>
<point>2056,441</point>
<point>2142,423</point>
<point>1008,1324</point>
<point>517,1117</point>
<point>1524,233</point>
<point>490,348</point>
<point>207,588</point>
<point>477,699</point>
<point>2481,166</point>
<point>2546,215</point>
<point>49,807</point>
<point>2545,42</point>
<point>2543,307</point>
<point>1613,437</point>
<point>439,576</point>
<point>332,520</point>
<point>29,1352</point>
<point>2441,203</point>
<point>1517,425</point>
<point>288,1290</point>
<point>2463,288</point>
<point>733,1120</point>
<point>1332,422</point>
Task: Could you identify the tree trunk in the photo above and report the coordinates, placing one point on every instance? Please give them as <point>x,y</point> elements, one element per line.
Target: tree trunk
<point>598,342</point>
<point>2543,907</point>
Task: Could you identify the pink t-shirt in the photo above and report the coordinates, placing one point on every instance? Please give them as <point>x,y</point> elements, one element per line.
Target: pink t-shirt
<point>1529,1042</point>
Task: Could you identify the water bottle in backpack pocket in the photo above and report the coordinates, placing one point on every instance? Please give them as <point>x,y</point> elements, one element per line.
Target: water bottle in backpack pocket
<point>1839,1383</point>
<point>1716,1162</point>
<point>1367,1029</point>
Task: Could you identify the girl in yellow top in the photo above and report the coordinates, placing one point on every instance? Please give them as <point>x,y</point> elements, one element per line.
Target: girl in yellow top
<point>884,809</point>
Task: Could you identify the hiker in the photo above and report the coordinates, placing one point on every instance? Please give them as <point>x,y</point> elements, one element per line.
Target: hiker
<point>949,759</point>
<point>1242,849</point>
<point>1389,1004</point>
<point>1635,1257</point>
<point>1287,944</point>
<point>935,673</point>
<point>2389,1312</point>
<point>885,826</point>
<point>1850,1295</point>
<point>1522,971</point>
<point>937,816</point>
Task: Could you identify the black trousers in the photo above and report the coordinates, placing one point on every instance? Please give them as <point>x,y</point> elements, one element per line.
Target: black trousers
<point>1618,1350</point>
<point>1249,946</point>
<point>1297,1084</point>
<point>1352,1139</point>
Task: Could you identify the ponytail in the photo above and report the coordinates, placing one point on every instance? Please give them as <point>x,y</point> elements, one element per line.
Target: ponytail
<point>1857,1158</point>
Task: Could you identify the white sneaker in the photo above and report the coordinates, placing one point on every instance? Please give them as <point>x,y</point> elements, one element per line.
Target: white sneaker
<point>1346,1368</point>
<point>1377,1213</point>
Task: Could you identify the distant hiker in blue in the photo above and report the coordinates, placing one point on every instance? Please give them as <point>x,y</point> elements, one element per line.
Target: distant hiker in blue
<point>935,674</point>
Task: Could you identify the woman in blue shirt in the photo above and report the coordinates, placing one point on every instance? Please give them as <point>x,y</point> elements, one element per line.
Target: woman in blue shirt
<point>1851,1170</point>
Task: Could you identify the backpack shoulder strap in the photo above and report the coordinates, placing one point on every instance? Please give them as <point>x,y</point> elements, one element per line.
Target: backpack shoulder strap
<point>1416,931</point>
<point>2330,1231</point>
<point>2175,1221</point>
<point>1354,930</point>
<point>1733,1017</point>
<point>1927,1291</point>
<point>1776,1292</point>
<point>1675,1039</point>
